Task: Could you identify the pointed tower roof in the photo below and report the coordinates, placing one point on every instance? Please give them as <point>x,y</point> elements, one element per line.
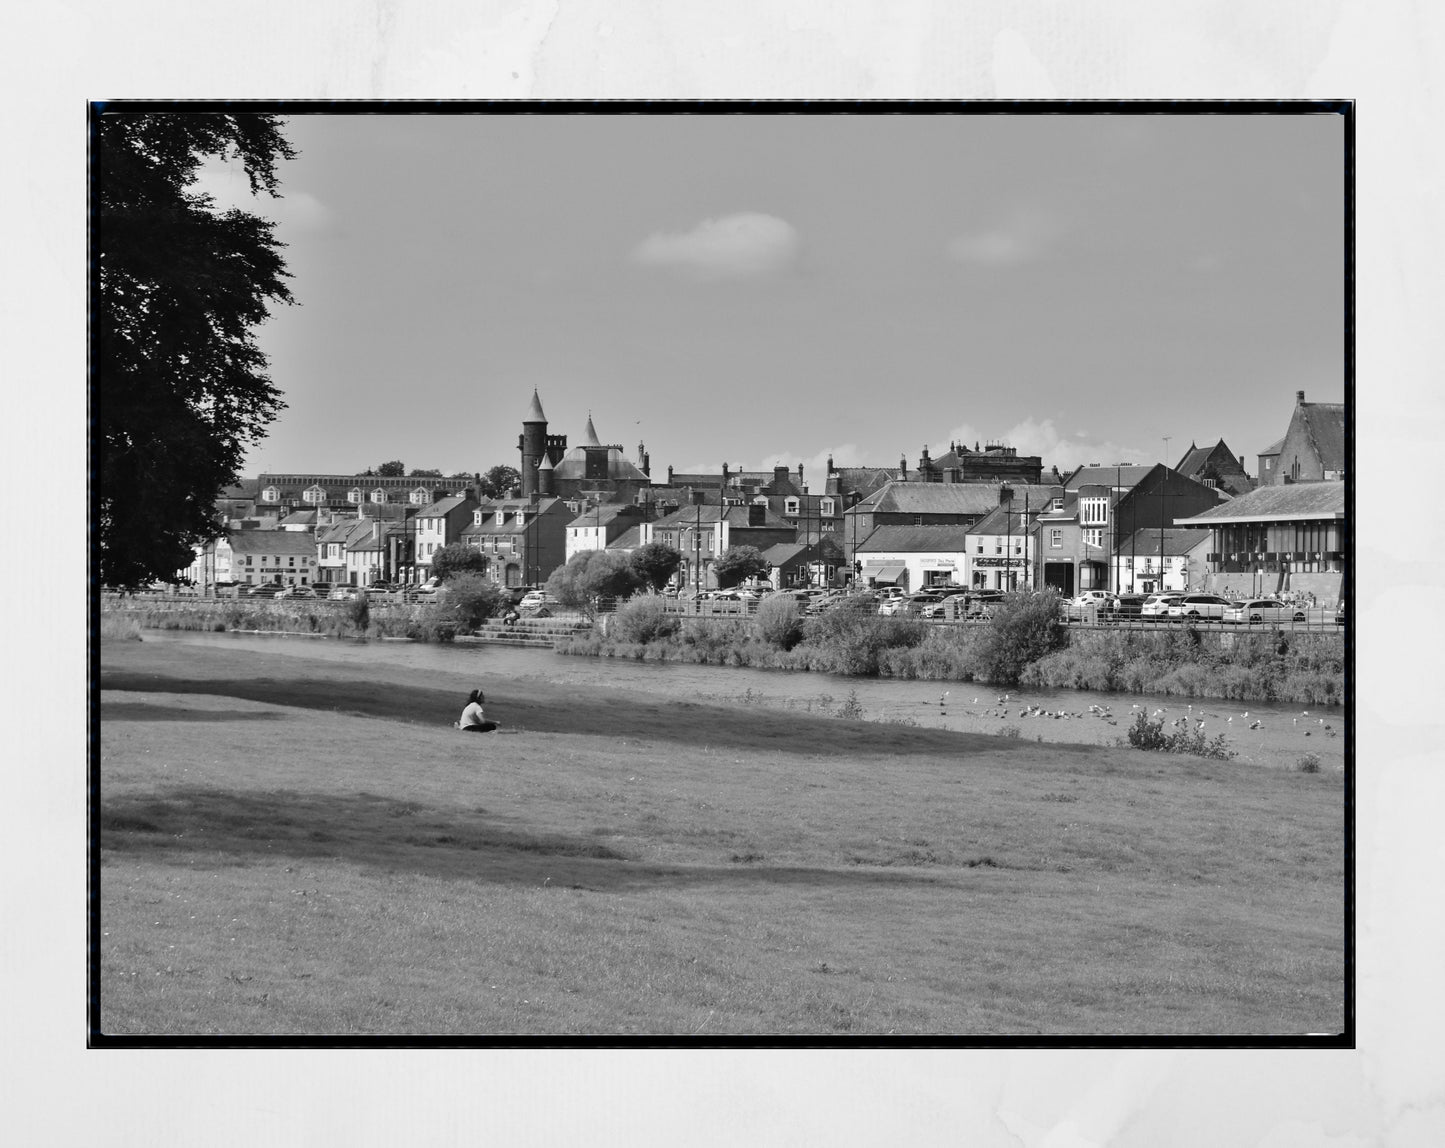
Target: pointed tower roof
<point>589,436</point>
<point>545,464</point>
<point>535,415</point>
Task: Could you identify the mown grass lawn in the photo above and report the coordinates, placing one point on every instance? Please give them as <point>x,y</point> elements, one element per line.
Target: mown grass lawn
<point>287,850</point>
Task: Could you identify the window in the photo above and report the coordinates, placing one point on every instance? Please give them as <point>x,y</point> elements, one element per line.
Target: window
<point>476,518</point>
<point>1093,511</point>
<point>825,508</point>
<point>353,495</point>
<point>270,494</point>
<point>1209,482</point>
<point>1093,537</point>
<point>314,495</point>
<point>291,562</point>
<point>1056,539</point>
<point>248,559</point>
<point>1057,504</point>
<point>501,518</point>
<point>418,497</point>
<point>790,506</point>
<point>998,545</point>
<point>979,549</point>
<point>378,495</point>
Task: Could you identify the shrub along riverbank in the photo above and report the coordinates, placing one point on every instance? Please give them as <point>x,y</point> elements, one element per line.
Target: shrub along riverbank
<point>1021,645</point>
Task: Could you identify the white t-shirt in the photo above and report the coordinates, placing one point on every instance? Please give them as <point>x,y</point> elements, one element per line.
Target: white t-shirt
<point>472,716</point>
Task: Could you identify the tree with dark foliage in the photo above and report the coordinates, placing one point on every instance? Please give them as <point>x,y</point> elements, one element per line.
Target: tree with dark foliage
<point>738,563</point>
<point>393,469</point>
<point>457,558</point>
<point>655,563</point>
<point>498,481</point>
<point>178,289</point>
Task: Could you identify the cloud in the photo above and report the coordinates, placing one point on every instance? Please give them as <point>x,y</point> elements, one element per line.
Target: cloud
<point>1055,448</point>
<point>226,183</point>
<point>739,246</point>
<point>1024,238</point>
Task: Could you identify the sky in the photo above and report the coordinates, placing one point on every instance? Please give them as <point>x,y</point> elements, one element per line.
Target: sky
<point>778,289</point>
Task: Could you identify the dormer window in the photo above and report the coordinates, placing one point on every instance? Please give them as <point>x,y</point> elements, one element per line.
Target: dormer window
<point>476,518</point>
<point>353,496</point>
<point>501,518</point>
<point>790,506</point>
<point>420,496</point>
<point>825,508</point>
<point>378,495</point>
<point>313,495</point>
<point>1093,511</point>
<point>271,494</point>
<point>521,518</point>
<point>1057,504</point>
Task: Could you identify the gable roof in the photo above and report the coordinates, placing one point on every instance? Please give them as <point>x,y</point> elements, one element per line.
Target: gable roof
<point>629,539</point>
<point>1295,500</point>
<point>1125,475</point>
<point>962,498</point>
<point>283,542</point>
<point>444,506</point>
<point>915,539</point>
<point>1147,543</point>
<point>1324,423</point>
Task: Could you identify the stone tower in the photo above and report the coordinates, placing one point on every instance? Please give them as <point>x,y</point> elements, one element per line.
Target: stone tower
<point>533,445</point>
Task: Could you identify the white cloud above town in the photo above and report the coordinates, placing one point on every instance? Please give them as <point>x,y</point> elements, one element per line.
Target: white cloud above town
<point>1023,237</point>
<point>1043,438</point>
<point>740,246</point>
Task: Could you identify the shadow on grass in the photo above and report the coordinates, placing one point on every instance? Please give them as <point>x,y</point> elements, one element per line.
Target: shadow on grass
<point>542,709</point>
<point>402,836</point>
<point>150,711</point>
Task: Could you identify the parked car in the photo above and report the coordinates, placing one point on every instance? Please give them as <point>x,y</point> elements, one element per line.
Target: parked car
<point>295,592</point>
<point>1199,608</point>
<point>950,608</point>
<point>1156,606</point>
<point>1264,610</point>
<point>1087,604</point>
<point>1123,608</point>
<point>533,598</point>
<point>885,592</point>
<point>982,603</point>
<point>264,590</point>
<point>915,604</point>
<point>344,593</point>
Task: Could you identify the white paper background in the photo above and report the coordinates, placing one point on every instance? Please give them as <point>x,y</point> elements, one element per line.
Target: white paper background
<point>1386,55</point>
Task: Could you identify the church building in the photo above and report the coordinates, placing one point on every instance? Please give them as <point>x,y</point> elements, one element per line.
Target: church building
<point>595,471</point>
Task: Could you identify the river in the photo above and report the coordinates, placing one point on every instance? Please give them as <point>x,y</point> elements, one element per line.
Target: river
<point>1258,733</point>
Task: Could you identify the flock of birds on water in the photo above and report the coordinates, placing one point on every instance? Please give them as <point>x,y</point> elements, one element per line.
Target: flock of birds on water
<point>1003,709</point>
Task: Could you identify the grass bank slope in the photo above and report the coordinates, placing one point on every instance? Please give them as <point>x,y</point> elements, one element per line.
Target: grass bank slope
<point>284,850</point>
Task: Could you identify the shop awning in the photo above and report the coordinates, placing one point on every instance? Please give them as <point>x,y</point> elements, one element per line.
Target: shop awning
<point>889,573</point>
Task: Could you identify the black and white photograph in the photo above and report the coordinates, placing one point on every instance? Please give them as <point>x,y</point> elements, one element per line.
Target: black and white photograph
<point>699,572</point>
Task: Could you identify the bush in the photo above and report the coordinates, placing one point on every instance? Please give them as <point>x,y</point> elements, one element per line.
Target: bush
<point>1024,628</point>
<point>471,599</point>
<point>779,623</point>
<point>852,639</point>
<point>359,612</point>
<point>1309,763</point>
<point>1149,733</point>
<point>457,558</point>
<point>644,619</point>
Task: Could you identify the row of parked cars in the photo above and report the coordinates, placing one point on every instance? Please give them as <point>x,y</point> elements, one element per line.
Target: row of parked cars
<point>1105,606</point>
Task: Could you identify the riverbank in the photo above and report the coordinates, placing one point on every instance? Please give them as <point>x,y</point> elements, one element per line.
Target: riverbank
<point>297,845</point>
<point>1301,668</point>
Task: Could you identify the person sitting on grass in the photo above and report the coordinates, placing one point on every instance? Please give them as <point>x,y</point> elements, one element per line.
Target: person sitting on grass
<point>473,719</point>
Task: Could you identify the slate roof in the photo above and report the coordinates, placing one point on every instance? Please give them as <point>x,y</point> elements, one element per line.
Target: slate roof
<point>283,542</point>
<point>781,553</point>
<point>1146,543</point>
<point>1006,521</point>
<point>1128,475</point>
<point>1295,500</point>
<point>963,498</point>
<point>1273,448</point>
<point>601,515</point>
<point>443,506</point>
<point>629,539</point>
<point>1325,425</point>
<point>915,539</point>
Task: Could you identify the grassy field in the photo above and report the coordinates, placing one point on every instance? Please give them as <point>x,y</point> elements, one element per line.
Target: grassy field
<point>287,850</point>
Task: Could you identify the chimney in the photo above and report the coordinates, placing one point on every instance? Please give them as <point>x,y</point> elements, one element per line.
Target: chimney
<point>725,474</point>
<point>902,468</point>
<point>696,496</point>
<point>669,476</point>
<point>757,515</point>
<point>1005,494</point>
<point>780,478</point>
<point>1299,396</point>
<point>800,474</point>
<point>830,464</point>
<point>646,467</point>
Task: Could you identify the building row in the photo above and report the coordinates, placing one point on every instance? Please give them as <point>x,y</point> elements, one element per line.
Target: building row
<point>985,517</point>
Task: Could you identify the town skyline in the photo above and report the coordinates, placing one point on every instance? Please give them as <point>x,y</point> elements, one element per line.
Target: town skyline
<point>776,290</point>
